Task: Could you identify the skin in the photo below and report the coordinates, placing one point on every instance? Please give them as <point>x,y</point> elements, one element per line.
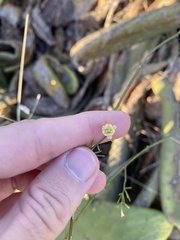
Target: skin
<point>46,159</point>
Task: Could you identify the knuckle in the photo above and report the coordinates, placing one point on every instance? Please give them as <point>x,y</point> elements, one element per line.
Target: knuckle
<point>50,205</point>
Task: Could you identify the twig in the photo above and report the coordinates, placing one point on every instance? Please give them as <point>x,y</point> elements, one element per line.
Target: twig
<point>71,228</point>
<point>35,106</point>
<point>6,118</point>
<point>19,92</point>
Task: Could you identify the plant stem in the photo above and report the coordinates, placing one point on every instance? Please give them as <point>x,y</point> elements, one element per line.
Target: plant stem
<point>139,68</point>
<point>96,145</point>
<point>35,106</point>
<point>8,119</point>
<point>71,228</point>
<point>120,168</point>
<point>79,214</point>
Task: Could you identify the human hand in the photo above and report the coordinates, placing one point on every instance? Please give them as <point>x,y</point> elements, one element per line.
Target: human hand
<point>47,161</point>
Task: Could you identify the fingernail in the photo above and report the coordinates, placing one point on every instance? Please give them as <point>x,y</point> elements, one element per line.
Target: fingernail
<point>81,163</point>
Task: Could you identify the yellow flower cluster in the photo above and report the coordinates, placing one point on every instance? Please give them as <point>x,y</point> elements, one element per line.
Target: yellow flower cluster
<point>108,130</point>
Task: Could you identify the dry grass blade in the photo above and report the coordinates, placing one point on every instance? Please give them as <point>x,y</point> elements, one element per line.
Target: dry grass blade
<point>19,92</point>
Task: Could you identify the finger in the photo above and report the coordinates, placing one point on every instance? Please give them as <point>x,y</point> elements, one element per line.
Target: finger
<point>6,204</point>
<point>35,142</point>
<point>20,182</point>
<point>46,206</point>
<point>99,184</point>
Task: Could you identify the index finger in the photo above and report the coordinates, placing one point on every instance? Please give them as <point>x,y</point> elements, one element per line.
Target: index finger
<point>28,144</point>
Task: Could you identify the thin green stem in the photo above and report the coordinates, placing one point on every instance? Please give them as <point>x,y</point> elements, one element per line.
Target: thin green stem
<point>120,168</point>
<point>71,228</point>
<point>97,145</point>
<point>81,211</point>
<point>125,179</point>
<point>8,119</point>
<point>139,68</point>
<point>128,85</point>
<point>86,205</point>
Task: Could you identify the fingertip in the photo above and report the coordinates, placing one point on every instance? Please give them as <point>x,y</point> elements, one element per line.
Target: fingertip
<point>99,184</point>
<point>126,122</point>
<point>82,163</point>
<point>122,122</point>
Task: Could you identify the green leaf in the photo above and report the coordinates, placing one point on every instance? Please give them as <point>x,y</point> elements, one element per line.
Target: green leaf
<point>102,221</point>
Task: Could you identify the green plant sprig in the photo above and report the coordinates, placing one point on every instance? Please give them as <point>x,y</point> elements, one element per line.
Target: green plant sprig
<point>108,130</point>
<point>117,171</point>
<point>124,195</point>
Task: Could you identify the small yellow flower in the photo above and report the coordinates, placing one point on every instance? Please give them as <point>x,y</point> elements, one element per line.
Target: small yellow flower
<point>86,197</point>
<point>108,130</point>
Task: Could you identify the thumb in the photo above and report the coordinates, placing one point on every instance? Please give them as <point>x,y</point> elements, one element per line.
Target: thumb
<point>46,206</point>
